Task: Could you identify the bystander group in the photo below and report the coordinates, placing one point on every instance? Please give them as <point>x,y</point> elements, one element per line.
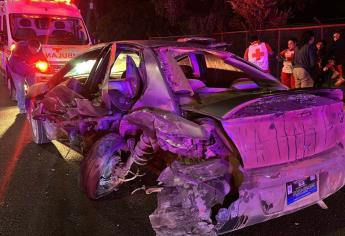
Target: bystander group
<point>305,63</point>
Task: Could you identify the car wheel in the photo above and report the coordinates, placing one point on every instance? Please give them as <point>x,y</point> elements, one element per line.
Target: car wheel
<point>39,135</point>
<point>98,169</point>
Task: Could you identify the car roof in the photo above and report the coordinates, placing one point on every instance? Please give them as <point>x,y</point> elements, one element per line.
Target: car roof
<point>160,43</point>
<point>153,44</point>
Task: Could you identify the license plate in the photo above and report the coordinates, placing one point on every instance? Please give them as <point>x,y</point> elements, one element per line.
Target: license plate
<point>296,190</point>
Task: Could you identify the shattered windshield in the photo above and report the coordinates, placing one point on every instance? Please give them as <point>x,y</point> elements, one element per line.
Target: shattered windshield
<point>209,71</point>
<point>54,30</point>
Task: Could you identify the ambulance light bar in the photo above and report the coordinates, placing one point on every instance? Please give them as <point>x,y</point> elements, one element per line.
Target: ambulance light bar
<point>57,1</point>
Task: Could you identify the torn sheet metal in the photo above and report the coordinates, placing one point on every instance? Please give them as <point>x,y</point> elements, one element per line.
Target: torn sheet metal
<point>174,74</point>
<point>176,134</point>
<point>165,122</point>
<point>87,108</point>
<point>157,92</point>
<point>37,89</point>
<point>173,133</point>
<point>190,191</point>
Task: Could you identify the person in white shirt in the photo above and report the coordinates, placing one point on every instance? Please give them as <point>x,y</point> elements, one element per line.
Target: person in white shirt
<point>258,53</point>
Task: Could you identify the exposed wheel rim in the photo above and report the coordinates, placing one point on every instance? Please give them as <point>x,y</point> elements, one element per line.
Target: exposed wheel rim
<point>98,167</point>
<point>105,184</point>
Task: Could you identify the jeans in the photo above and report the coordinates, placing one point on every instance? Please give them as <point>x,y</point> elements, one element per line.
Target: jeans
<point>19,81</point>
<point>302,78</point>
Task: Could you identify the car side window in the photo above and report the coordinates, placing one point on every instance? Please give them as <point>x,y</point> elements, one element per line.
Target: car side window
<point>214,72</point>
<point>118,69</point>
<point>185,63</point>
<point>224,75</point>
<point>81,67</point>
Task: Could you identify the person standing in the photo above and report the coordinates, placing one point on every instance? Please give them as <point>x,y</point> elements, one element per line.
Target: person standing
<point>305,61</point>
<point>321,53</point>
<point>321,62</point>
<point>21,67</point>
<point>288,56</point>
<point>258,53</point>
<point>337,52</point>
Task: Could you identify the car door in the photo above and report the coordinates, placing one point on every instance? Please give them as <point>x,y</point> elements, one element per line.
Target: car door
<point>99,71</point>
<point>123,81</point>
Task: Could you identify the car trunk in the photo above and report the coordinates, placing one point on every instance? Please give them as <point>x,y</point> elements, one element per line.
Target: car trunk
<point>282,128</point>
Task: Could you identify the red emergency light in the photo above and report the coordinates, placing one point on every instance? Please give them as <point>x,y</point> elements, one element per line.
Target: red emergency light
<point>13,46</point>
<point>42,66</point>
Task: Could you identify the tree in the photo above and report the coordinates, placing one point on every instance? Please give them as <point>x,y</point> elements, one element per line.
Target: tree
<point>126,19</point>
<point>194,16</point>
<point>259,14</point>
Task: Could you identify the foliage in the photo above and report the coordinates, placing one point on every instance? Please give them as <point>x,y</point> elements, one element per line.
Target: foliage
<point>259,14</point>
<point>194,16</point>
<point>126,19</point>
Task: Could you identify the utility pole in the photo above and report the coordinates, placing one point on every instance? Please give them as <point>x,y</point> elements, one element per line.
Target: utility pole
<point>91,20</point>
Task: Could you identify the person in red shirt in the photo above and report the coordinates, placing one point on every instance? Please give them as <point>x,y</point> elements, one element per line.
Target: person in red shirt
<point>258,53</point>
<point>288,55</point>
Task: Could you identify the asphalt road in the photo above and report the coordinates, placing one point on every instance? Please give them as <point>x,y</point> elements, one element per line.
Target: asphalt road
<point>39,194</point>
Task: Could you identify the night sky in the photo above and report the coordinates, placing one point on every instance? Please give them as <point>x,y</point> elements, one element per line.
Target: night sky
<point>129,18</point>
<point>327,11</point>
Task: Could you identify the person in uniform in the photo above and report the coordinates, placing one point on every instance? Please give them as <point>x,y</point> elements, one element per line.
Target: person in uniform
<point>258,53</point>
<point>287,55</point>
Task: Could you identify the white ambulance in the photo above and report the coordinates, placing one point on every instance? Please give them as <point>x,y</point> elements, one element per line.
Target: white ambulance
<point>57,24</point>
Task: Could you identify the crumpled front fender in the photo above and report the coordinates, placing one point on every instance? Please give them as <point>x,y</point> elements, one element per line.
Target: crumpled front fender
<point>164,122</point>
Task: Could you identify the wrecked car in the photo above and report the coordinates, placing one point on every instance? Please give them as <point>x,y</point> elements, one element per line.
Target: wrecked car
<point>229,144</point>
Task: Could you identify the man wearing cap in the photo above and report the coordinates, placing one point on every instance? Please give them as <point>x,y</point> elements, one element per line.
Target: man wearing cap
<point>21,67</point>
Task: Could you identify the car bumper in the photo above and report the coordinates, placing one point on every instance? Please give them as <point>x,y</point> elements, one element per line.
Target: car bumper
<point>263,195</point>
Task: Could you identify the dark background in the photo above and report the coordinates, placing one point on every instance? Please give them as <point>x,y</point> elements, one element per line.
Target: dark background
<point>138,19</point>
